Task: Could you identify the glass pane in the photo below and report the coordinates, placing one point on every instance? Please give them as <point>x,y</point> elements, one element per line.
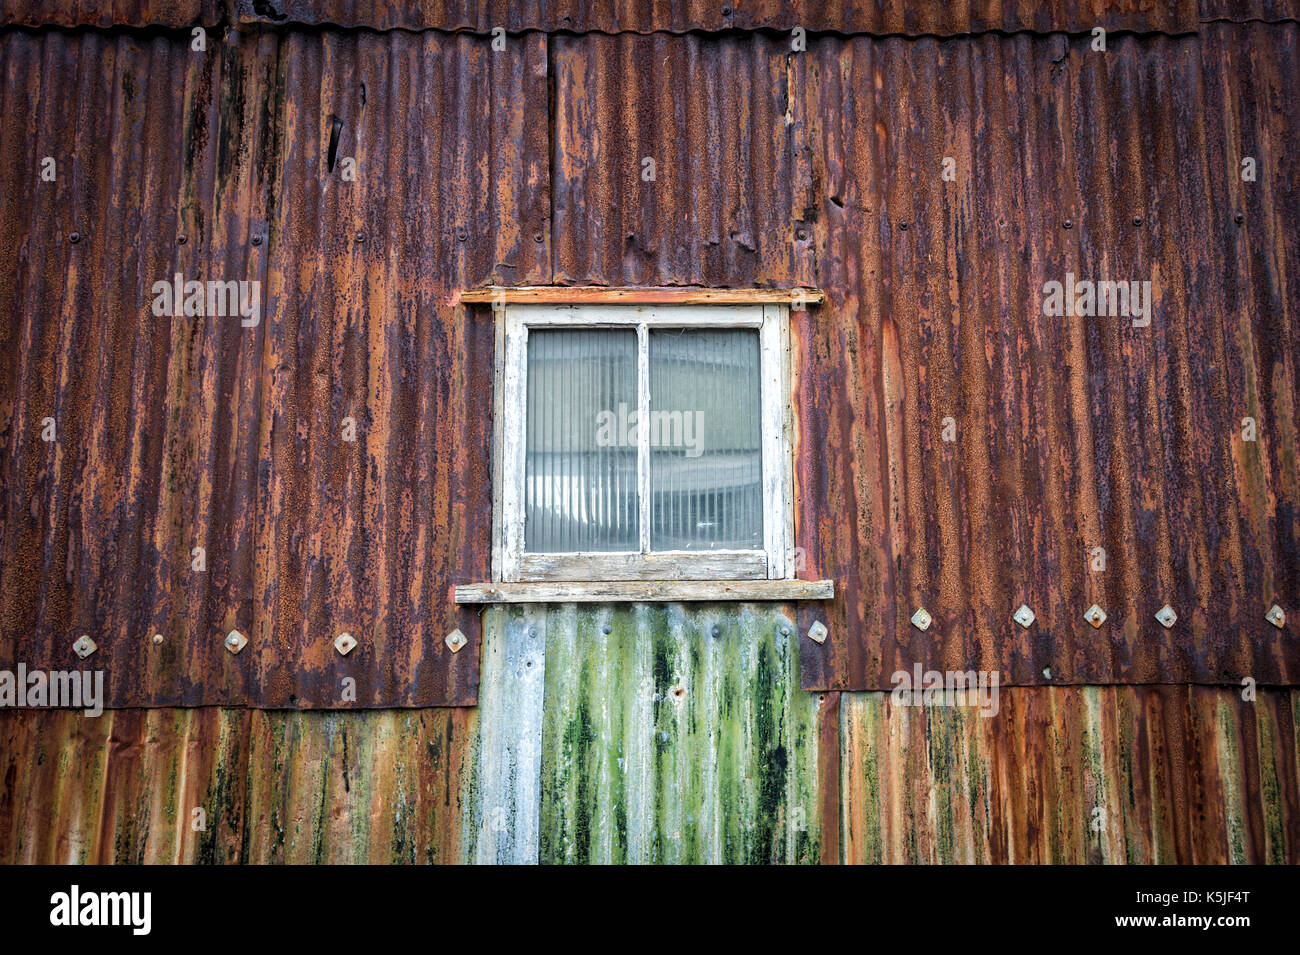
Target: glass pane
<point>706,460</point>
<point>580,468</point>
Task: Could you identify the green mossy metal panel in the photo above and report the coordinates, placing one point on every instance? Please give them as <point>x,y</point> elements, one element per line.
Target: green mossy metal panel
<point>663,743</point>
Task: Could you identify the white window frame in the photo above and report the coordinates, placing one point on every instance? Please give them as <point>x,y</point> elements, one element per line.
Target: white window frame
<point>511,563</point>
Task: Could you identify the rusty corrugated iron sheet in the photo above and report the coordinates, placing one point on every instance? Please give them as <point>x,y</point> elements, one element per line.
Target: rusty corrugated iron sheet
<point>272,787</point>
<point>1071,434</point>
<point>904,17</point>
<point>910,18</point>
<point>451,192</point>
<point>176,433</point>
<point>1244,11</point>
<point>111,13</point>
<point>154,420</point>
<point>1183,774</point>
<point>915,17</point>
<point>715,132</point>
<point>1180,774</point>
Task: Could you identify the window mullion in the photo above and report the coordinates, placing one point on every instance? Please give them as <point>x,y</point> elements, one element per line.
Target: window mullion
<point>643,433</point>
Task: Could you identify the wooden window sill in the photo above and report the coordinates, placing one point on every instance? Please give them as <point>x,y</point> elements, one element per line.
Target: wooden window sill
<point>645,591</point>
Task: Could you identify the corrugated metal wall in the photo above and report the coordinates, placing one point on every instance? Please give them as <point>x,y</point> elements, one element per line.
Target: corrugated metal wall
<point>680,736</point>
<point>1071,434</point>
<point>522,167</point>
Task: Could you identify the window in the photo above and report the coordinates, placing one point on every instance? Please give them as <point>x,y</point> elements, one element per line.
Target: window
<point>643,443</point>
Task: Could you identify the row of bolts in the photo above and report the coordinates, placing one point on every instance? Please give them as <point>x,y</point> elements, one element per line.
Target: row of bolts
<point>344,643</point>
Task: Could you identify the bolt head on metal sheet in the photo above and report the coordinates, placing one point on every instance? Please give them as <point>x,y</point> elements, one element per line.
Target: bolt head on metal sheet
<point>1024,616</point>
<point>236,641</point>
<point>1276,616</point>
<point>1166,616</point>
<point>84,646</point>
<point>456,640</point>
<point>345,643</point>
<point>922,619</point>
<point>817,632</point>
<point>1095,615</point>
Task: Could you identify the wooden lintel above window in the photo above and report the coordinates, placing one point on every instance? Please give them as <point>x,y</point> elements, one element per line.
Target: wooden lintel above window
<point>669,295</point>
<point>642,591</point>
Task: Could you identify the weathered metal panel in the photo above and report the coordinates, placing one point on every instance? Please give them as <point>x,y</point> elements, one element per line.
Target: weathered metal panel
<point>154,419</point>
<point>714,121</point>
<point>386,786</point>
<point>912,18</point>
<point>1070,433</point>
<point>451,192</point>
<point>905,18</point>
<point>1180,775</point>
<point>1244,11</point>
<point>680,736</point>
<point>272,787</point>
<point>197,432</point>
<point>111,13</point>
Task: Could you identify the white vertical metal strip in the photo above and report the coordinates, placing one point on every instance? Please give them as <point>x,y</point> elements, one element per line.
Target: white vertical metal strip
<point>506,817</point>
<point>773,417</point>
<point>643,433</point>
